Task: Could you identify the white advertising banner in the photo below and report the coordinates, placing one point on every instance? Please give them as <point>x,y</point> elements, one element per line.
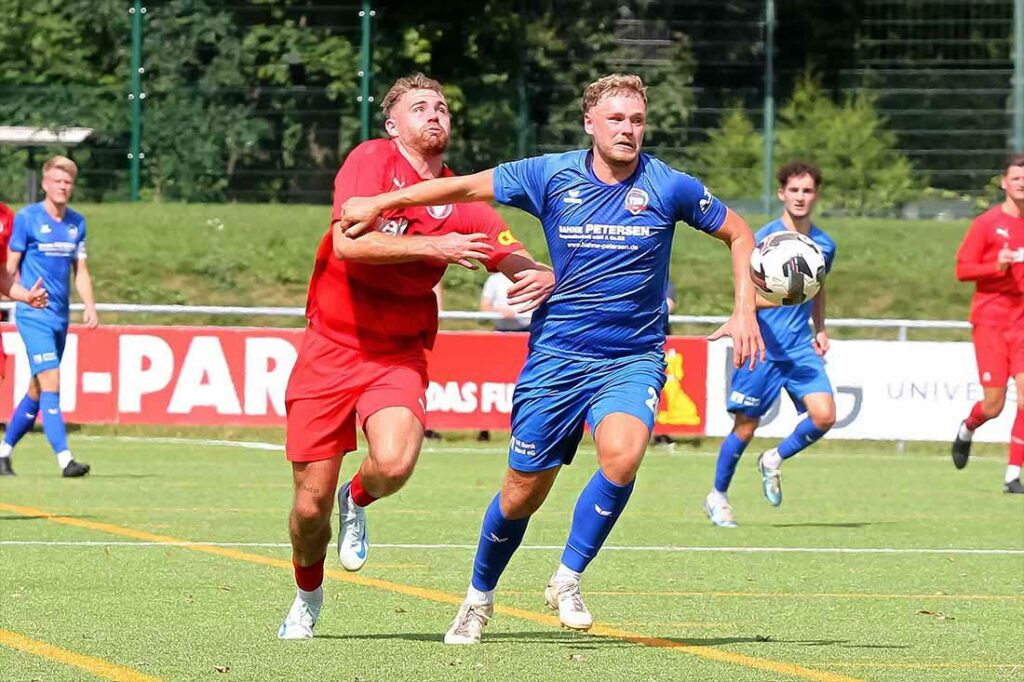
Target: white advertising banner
<point>891,390</point>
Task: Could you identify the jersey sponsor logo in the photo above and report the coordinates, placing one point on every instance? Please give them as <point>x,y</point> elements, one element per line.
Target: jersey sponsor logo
<point>506,238</point>
<point>395,226</point>
<point>572,197</point>
<point>440,212</point>
<point>637,201</point>
<point>705,202</point>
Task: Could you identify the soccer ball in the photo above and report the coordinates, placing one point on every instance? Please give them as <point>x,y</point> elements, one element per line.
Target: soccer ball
<point>787,268</point>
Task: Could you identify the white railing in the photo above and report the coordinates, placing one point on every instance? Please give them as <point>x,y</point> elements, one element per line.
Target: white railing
<point>269,311</point>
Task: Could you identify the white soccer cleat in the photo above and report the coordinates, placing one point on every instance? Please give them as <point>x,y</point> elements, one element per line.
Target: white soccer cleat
<point>301,618</point>
<point>352,539</point>
<point>719,512</point>
<point>771,481</point>
<point>564,596</point>
<point>469,624</point>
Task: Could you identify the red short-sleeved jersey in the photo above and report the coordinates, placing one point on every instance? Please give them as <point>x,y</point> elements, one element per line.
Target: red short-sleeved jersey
<point>6,225</point>
<point>388,308</point>
<point>999,296</point>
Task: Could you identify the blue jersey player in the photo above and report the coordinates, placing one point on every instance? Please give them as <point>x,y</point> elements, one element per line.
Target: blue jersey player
<point>795,361</point>
<point>48,242</point>
<point>596,345</point>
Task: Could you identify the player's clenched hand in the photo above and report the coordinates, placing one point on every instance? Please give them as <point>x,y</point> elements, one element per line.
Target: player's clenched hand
<point>531,288</point>
<point>821,343</point>
<point>462,249</point>
<point>89,317</point>
<point>1005,258</point>
<point>37,296</point>
<point>358,215</point>
<point>746,338</point>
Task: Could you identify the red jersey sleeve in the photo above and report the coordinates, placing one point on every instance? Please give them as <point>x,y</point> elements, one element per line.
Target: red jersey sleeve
<point>479,217</point>
<point>6,225</point>
<point>363,173</point>
<point>971,262</point>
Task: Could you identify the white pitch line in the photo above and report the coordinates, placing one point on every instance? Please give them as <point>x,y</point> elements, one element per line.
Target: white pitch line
<point>249,445</point>
<point>607,548</point>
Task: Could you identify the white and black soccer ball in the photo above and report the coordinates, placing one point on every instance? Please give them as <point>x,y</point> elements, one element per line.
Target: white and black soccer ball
<point>787,268</point>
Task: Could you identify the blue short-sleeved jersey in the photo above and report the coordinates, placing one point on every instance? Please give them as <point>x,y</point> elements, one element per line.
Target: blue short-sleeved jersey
<point>609,246</point>
<point>49,248</point>
<point>785,329</point>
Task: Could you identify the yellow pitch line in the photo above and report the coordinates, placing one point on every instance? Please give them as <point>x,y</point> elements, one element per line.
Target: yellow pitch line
<point>95,666</point>
<point>701,651</point>
<point>819,595</point>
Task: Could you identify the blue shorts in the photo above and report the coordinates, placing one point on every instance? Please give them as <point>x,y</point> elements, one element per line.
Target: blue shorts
<point>754,391</point>
<point>44,345</point>
<point>555,396</point>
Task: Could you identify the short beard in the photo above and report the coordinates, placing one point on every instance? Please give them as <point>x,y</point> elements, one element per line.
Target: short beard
<point>429,144</point>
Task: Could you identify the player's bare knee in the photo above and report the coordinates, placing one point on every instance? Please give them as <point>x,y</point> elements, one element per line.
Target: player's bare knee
<point>823,420</point>
<point>745,427</point>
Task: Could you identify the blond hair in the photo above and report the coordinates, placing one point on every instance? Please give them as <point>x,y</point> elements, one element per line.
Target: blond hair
<point>61,163</point>
<point>416,81</point>
<point>614,84</point>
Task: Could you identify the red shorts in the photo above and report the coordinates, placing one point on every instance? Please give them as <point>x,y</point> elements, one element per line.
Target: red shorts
<point>1000,354</point>
<point>330,384</point>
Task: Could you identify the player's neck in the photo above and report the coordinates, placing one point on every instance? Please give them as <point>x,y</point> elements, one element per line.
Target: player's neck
<point>611,174</point>
<point>55,210</point>
<point>801,225</point>
<point>425,166</point>
<point>1013,209</point>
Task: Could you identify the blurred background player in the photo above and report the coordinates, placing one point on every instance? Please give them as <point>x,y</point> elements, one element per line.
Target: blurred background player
<point>795,360</point>
<point>597,345</point>
<point>48,244</point>
<point>992,256</point>
<point>372,313</point>
<point>494,299</point>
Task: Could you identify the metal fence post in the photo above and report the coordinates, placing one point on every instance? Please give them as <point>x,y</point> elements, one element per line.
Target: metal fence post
<point>1018,75</point>
<point>769,103</point>
<point>135,98</point>
<point>365,61</point>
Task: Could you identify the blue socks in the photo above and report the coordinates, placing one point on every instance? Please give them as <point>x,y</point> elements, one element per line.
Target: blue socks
<point>597,510</point>
<point>728,458</point>
<point>804,435</point>
<point>499,539</point>
<point>53,421</point>
<point>22,419</point>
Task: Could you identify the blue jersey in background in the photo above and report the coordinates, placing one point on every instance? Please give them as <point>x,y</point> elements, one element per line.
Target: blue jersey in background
<point>785,329</point>
<point>49,249</point>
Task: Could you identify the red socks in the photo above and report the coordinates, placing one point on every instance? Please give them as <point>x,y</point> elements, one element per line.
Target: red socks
<point>1017,440</point>
<point>309,578</point>
<point>976,418</point>
<point>358,492</point>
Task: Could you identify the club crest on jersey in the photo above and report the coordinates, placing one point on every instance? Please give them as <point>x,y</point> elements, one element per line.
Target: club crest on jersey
<point>440,212</point>
<point>636,201</point>
<point>72,232</point>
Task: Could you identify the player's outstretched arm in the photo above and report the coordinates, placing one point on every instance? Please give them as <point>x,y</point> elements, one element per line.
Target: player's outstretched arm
<point>533,281</point>
<point>359,213</point>
<point>376,248</point>
<point>35,297</point>
<point>742,324</point>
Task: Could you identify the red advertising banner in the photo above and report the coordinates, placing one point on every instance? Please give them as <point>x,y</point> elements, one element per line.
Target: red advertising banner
<point>237,376</point>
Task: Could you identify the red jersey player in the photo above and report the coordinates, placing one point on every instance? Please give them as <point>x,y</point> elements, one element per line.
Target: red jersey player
<point>372,313</point>
<point>37,297</point>
<point>992,256</point>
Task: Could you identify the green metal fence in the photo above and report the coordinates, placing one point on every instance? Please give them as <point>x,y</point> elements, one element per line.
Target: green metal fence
<point>946,75</point>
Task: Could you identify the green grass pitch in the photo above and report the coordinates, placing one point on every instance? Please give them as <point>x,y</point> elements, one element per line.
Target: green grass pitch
<point>101,581</point>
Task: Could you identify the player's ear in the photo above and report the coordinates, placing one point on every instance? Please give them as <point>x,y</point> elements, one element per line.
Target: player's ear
<point>391,127</point>
<point>781,194</point>
<point>588,125</point>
